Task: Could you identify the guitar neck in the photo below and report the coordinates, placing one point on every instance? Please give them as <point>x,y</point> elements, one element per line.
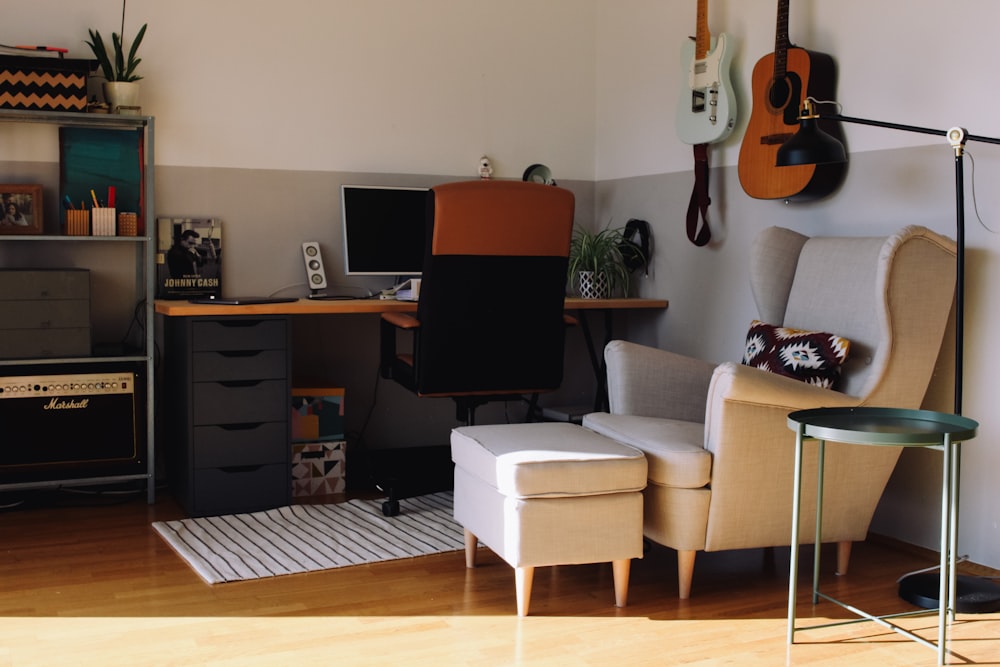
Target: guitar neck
<point>781,42</point>
<point>703,39</point>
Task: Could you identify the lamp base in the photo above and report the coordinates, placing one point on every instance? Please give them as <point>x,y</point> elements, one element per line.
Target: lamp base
<point>973,595</point>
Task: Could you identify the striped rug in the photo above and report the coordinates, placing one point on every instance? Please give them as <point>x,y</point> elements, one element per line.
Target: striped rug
<point>306,538</point>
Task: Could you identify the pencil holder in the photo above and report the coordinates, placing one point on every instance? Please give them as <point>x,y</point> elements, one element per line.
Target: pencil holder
<point>128,224</point>
<point>78,223</point>
<point>104,222</point>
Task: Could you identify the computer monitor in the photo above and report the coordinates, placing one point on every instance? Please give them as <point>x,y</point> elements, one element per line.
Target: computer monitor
<point>384,229</point>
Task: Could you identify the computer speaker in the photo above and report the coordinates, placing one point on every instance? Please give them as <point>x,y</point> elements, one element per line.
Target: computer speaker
<point>314,265</point>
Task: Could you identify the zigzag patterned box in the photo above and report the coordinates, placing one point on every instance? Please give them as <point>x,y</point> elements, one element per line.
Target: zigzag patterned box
<point>44,84</point>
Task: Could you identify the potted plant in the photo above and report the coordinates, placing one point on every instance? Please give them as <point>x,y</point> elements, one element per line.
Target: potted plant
<point>596,263</point>
<point>120,88</point>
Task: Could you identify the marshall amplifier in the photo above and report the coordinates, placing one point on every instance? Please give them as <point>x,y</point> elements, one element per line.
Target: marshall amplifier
<point>72,425</point>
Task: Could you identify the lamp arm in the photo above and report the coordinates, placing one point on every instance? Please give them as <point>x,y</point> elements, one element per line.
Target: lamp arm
<point>882,123</point>
<point>904,128</point>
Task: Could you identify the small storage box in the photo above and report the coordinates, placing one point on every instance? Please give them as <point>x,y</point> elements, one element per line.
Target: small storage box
<point>318,468</point>
<point>44,84</point>
<point>44,313</point>
<point>317,414</point>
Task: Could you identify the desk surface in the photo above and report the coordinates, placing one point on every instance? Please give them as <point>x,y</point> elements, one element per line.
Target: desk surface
<point>347,306</point>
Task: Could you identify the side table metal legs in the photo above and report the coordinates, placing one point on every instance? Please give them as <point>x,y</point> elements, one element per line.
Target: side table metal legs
<point>949,540</point>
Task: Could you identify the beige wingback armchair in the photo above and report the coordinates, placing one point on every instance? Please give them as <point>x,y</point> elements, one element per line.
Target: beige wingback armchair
<point>716,438</point>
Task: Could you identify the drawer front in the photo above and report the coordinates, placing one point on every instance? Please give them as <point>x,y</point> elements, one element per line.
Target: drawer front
<point>44,284</point>
<point>241,445</point>
<point>45,314</point>
<point>241,489</point>
<point>240,334</point>
<point>240,402</point>
<point>28,343</point>
<point>239,365</point>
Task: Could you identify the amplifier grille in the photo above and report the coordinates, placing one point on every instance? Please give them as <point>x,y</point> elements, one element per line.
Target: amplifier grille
<point>81,424</point>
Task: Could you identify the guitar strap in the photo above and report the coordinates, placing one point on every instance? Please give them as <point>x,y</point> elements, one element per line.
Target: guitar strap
<point>698,205</point>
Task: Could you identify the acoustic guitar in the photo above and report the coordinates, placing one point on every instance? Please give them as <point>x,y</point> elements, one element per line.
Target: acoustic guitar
<point>780,82</point>
<point>706,108</point>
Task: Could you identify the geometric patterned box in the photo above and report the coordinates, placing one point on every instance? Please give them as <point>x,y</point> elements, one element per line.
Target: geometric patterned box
<point>44,84</point>
<point>318,468</point>
<point>317,414</point>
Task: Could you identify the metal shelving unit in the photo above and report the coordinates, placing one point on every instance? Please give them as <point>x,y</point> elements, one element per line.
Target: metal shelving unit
<point>144,288</point>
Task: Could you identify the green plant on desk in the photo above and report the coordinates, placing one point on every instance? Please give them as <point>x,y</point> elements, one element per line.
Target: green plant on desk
<point>598,253</point>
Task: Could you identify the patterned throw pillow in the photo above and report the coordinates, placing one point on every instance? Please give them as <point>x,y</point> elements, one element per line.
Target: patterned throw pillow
<point>811,356</point>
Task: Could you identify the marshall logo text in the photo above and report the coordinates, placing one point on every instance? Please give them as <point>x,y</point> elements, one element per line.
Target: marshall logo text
<point>57,404</point>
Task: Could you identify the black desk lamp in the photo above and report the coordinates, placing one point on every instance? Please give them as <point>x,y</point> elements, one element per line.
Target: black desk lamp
<point>811,145</point>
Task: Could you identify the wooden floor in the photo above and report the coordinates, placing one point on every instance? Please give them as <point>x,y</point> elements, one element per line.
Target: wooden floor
<point>90,583</point>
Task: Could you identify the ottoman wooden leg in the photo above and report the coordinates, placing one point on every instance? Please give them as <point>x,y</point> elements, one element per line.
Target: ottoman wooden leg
<point>471,546</point>
<point>620,570</point>
<point>523,576</point>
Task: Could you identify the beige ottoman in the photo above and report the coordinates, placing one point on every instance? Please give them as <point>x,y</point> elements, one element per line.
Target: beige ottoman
<point>549,494</point>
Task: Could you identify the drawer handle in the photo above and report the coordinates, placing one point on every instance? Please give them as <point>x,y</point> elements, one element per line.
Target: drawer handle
<point>239,353</point>
<point>243,324</point>
<point>240,427</point>
<point>239,469</point>
<point>240,383</point>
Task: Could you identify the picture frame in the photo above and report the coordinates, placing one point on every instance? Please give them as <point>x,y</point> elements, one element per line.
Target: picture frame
<point>21,209</point>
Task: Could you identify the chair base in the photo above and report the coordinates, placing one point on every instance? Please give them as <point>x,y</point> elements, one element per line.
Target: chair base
<point>406,472</point>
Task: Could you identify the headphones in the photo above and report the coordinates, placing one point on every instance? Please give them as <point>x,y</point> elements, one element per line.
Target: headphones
<point>635,254</point>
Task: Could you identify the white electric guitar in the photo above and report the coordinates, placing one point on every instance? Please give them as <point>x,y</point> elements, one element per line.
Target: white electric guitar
<point>706,109</point>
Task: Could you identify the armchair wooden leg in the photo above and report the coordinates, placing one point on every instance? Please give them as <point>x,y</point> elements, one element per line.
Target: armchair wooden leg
<point>620,569</point>
<point>685,572</point>
<point>523,577</point>
<point>471,546</point>
<point>843,556</point>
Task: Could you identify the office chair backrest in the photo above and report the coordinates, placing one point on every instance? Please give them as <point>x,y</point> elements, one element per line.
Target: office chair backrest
<point>494,282</point>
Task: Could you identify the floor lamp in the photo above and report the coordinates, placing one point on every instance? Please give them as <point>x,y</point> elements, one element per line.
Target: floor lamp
<point>811,145</point>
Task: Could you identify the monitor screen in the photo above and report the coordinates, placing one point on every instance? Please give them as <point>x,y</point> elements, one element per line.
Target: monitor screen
<point>384,229</point>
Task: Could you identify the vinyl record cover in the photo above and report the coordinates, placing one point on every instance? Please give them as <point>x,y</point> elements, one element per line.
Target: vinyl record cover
<point>188,258</point>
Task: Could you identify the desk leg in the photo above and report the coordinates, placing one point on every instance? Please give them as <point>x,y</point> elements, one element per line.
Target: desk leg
<point>597,359</point>
<point>793,563</point>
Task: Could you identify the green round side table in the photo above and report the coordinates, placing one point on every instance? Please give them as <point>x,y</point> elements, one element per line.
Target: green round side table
<point>882,427</point>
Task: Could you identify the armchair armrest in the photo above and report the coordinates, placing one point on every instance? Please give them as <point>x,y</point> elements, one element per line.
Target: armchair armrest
<point>751,386</point>
<point>649,382</point>
<point>746,419</point>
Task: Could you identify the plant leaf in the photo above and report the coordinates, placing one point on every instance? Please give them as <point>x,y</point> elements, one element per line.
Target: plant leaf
<point>96,45</point>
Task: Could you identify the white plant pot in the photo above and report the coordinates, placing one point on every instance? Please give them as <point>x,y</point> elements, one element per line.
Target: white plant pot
<point>594,285</point>
<point>119,94</point>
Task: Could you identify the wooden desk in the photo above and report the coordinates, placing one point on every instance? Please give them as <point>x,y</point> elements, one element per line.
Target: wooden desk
<point>228,383</point>
<point>354,306</point>
<point>360,306</point>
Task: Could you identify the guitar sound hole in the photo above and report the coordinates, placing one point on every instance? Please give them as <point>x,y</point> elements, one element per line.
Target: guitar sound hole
<point>779,93</point>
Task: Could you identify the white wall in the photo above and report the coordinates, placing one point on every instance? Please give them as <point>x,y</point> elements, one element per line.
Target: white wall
<point>389,86</point>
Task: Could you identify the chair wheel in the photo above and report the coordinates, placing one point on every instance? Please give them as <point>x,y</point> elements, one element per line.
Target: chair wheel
<point>390,508</point>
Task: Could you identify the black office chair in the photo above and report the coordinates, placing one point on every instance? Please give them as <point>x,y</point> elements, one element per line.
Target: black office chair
<point>490,322</point>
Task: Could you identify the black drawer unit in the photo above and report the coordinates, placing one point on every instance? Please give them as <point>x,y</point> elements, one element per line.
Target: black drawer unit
<point>228,387</point>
